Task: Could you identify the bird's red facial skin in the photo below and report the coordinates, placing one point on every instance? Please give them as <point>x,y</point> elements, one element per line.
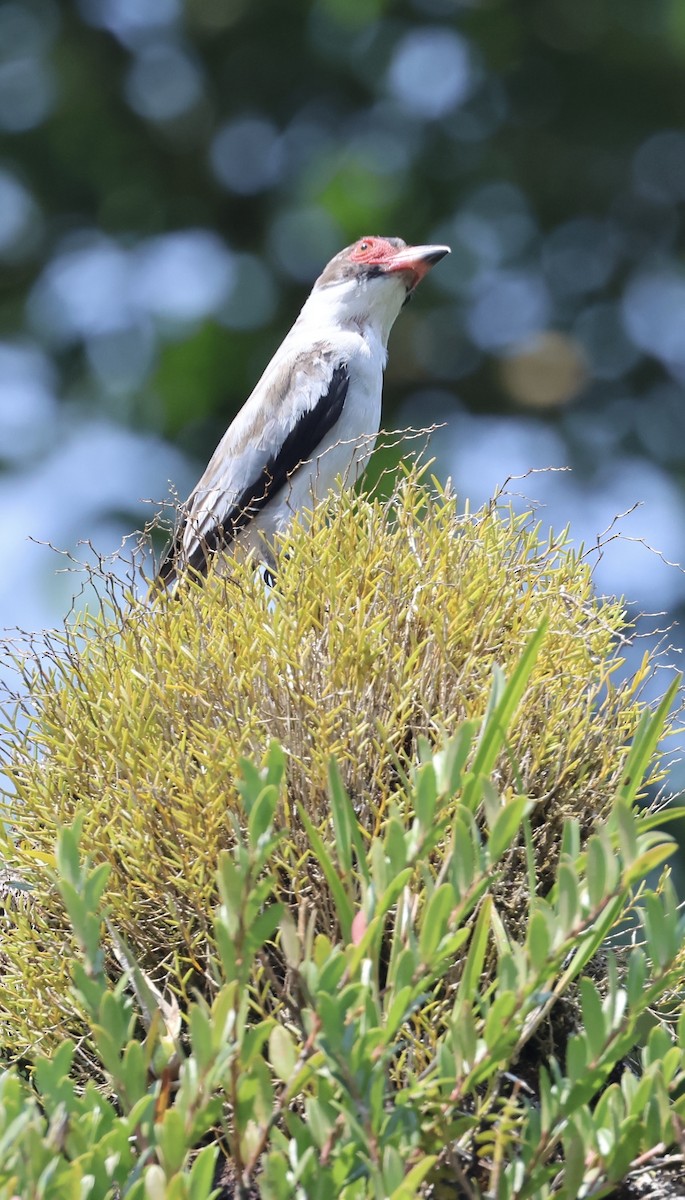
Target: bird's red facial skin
<point>374,251</point>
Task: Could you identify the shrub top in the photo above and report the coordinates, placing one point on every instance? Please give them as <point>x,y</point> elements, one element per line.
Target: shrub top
<point>389,621</point>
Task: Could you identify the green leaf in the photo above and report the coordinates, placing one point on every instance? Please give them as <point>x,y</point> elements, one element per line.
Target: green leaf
<point>108,1050</point>
<point>263,927</point>
<point>449,762</point>
<point>344,907</point>
<point>155,1183</point>
<point>473,967</point>
<point>255,1094</point>
<point>95,884</point>
<point>435,921</point>
<point>465,839</point>
<point>491,801</point>
<point>343,817</point>
<point>222,1015</point>
<point>539,940</point>
<point>171,1139</point>
<point>409,1188</point>
<point>597,872</point>
<point>594,1020</point>
<point>67,852</point>
<point>261,815</point>
<point>506,827</point>
<point>574,1162</point>
<point>653,1121</point>
<point>347,830</point>
<point>132,1073</point>
<point>250,783</point>
<point>393,1169</point>
<point>274,1181</point>
<point>225,944</point>
<point>202,1175</point>
<point>663,816</point>
<point>644,744</point>
<point>591,940</point>
<point>232,890</point>
<point>290,940</point>
<point>499,1026</point>
<point>548,1103</point>
<point>201,1036</point>
<point>425,795</point>
<point>395,844</point>
<point>320,1119</point>
<point>570,840</point>
<point>569,900</point>
<point>576,1058</point>
<point>332,967</point>
<point>510,969</point>
<point>399,1006</point>
<point>660,943</point>
<point>649,861</point>
<point>282,1053</point>
<point>362,947</point>
<point>496,723</point>
<point>623,821</point>
<point>464,1038</point>
<point>636,975</point>
<point>254,1040</point>
<point>51,1076</point>
<point>275,764</point>
<point>89,990</point>
<point>404,968</point>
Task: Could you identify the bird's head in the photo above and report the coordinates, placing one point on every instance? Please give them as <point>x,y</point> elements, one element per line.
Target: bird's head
<point>369,281</point>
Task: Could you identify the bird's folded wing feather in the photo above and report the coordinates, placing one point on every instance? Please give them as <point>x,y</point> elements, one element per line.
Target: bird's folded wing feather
<point>295,404</point>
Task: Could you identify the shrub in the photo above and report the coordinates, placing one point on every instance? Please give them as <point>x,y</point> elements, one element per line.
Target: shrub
<point>353,1087</point>
<point>412,893</point>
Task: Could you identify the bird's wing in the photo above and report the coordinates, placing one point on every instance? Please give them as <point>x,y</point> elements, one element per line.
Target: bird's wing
<point>296,402</point>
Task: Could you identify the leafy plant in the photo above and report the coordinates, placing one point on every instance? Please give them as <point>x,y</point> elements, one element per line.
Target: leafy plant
<point>428,942</point>
<point>339,1093</point>
<point>392,621</point>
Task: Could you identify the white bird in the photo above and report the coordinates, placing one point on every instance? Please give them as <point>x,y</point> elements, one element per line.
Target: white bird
<point>313,416</point>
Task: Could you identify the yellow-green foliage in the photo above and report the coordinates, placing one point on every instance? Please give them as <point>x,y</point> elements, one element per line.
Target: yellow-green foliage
<point>387,622</point>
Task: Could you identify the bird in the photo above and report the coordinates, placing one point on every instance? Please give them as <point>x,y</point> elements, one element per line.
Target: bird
<point>312,418</point>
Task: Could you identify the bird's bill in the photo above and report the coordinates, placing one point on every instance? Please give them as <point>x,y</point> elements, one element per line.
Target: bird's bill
<point>417,260</point>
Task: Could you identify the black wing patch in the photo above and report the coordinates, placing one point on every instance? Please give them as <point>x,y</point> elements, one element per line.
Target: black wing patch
<point>299,446</point>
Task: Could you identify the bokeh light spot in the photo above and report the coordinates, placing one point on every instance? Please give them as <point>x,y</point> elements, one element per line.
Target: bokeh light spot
<point>580,256</point>
<point>510,306</point>
<point>247,155</point>
<point>28,406</point>
<point>654,315</point>
<point>130,19</point>
<point>183,276</point>
<point>545,372</point>
<point>431,72</point>
<point>253,299</point>
<point>659,166</point>
<point>302,240</point>
<point>26,94</point>
<point>163,82</point>
<point>606,345</point>
<point>122,358</point>
<point>83,290</point>
<point>19,218</point>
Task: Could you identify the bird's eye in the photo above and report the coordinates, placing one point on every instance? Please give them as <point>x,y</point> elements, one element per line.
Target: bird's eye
<point>364,246</point>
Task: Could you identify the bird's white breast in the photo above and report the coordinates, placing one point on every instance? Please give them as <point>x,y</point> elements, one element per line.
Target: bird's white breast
<point>345,450</point>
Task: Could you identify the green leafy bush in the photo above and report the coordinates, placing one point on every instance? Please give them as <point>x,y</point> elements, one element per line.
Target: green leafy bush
<point>323,1098</point>
<point>364,911</point>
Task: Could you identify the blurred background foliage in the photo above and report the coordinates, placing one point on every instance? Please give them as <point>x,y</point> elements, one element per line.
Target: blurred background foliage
<point>174,175</point>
